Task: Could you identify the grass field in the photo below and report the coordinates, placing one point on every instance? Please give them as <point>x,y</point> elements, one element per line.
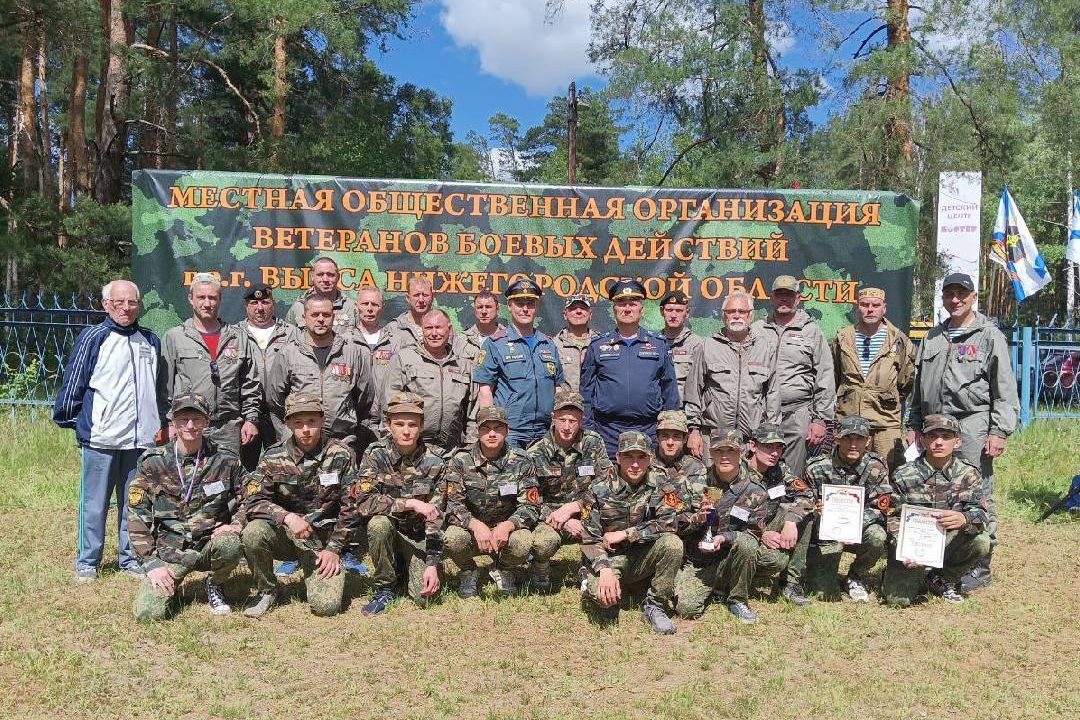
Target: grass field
<point>73,651</point>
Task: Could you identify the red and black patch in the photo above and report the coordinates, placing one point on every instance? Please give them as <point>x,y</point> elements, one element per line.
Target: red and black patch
<point>533,496</point>
<point>884,503</point>
<point>800,484</point>
<point>672,500</point>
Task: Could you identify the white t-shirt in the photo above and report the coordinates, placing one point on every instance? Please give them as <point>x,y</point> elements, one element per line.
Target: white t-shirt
<point>261,335</point>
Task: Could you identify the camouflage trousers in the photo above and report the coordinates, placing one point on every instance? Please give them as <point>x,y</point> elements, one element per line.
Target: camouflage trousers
<point>388,548</point>
<point>263,543</point>
<point>962,552</point>
<point>220,557</point>
<point>657,561</point>
<point>974,430</point>
<point>546,541</point>
<point>795,563</point>
<point>729,570</point>
<point>823,560</point>
<point>461,547</point>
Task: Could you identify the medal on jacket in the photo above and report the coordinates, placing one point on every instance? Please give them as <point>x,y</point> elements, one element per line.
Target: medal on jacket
<point>180,471</point>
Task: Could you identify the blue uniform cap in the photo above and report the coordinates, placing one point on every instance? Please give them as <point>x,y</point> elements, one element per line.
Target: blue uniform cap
<point>523,288</point>
<point>626,289</point>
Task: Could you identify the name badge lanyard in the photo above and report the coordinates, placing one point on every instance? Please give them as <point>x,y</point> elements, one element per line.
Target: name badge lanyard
<point>180,472</point>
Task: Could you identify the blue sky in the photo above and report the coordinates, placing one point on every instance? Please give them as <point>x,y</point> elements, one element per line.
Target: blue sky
<point>493,56</point>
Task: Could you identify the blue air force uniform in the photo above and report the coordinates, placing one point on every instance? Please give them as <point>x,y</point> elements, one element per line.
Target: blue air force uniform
<point>523,375</point>
<point>627,382</point>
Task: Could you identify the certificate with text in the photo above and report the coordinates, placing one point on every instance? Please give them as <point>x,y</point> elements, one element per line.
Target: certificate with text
<point>921,540</point>
<point>842,513</point>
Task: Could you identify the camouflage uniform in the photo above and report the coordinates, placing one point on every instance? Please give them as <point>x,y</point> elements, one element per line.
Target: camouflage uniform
<point>877,397</point>
<point>681,349</point>
<point>288,480</point>
<point>233,388</point>
<point>571,354</point>
<point>491,491</point>
<point>564,475</point>
<point>344,312</point>
<point>790,499</point>
<point>345,385</point>
<point>736,511</point>
<point>958,486</point>
<point>804,376</point>
<point>649,514</point>
<point>385,480</point>
<point>871,473</point>
<point>170,518</point>
<point>448,392</point>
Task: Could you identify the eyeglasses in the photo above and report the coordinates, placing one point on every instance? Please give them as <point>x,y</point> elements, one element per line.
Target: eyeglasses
<point>736,311</point>
<point>123,303</point>
<point>215,376</point>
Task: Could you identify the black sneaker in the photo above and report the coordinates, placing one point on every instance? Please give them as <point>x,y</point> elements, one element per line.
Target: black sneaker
<point>379,602</point>
<point>607,616</point>
<point>795,595</point>
<point>655,617</point>
<point>215,598</point>
<point>949,592</point>
<point>978,578</point>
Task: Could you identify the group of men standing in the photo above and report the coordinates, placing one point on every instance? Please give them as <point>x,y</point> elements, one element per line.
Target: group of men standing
<point>672,458</point>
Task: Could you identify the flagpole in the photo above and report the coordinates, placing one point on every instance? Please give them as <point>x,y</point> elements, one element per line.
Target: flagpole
<point>1071,268</point>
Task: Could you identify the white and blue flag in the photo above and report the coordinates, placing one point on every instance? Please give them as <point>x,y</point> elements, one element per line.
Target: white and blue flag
<point>1072,252</point>
<point>1014,249</point>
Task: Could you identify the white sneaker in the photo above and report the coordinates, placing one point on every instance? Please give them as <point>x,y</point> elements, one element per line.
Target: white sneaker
<point>504,582</point>
<point>467,584</point>
<point>857,591</point>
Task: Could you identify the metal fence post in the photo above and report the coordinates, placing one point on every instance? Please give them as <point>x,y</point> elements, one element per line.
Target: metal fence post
<point>1027,371</point>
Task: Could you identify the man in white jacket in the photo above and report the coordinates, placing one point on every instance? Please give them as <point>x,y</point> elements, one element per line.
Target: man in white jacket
<point>113,396</point>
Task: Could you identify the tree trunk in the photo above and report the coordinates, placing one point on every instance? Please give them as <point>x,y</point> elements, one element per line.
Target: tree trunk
<point>899,148</point>
<point>770,104</point>
<point>26,114</point>
<point>76,135</point>
<point>281,87</point>
<point>150,135</point>
<point>112,132</point>
<point>171,96</point>
<point>46,184</point>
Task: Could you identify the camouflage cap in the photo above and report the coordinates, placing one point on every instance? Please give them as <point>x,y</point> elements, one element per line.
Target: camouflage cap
<point>726,438</point>
<point>492,413</point>
<point>941,422</point>
<point>785,282</point>
<point>672,420</point>
<point>582,299</point>
<point>523,288</point>
<point>191,401</point>
<point>674,296</point>
<point>871,292</point>
<point>854,425</point>
<point>568,399</point>
<point>626,289</point>
<point>301,402</point>
<point>768,433</point>
<point>404,402</point>
<point>633,440</point>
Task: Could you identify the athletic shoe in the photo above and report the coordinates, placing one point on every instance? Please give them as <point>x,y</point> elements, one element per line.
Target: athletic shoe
<point>86,575</point>
<point>379,602</point>
<point>795,595</point>
<point>857,591</point>
<point>655,617</point>
<point>287,567</point>
<point>743,612</point>
<point>504,582</point>
<point>467,584</point>
<point>215,598</point>
<point>261,606</point>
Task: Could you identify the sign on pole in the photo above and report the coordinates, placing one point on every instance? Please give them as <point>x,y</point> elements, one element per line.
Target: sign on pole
<point>958,221</point>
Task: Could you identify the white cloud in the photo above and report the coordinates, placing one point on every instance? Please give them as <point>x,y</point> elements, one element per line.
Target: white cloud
<point>780,36</point>
<point>516,44</point>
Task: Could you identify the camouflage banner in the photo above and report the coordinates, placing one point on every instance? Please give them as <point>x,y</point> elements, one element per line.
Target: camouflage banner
<point>469,237</point>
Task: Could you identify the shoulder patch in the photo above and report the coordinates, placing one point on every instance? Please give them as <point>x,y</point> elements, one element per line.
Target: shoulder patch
<point>135,495</point>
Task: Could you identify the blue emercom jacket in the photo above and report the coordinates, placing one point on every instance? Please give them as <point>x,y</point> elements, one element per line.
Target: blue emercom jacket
<point>113,391</point>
